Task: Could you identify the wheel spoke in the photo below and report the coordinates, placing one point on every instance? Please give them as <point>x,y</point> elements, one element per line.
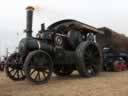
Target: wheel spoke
<point>18,73</point>
<point>15,73</point>
<point>36,76</point>
<point>46,71</point>
<point>21,72</point>
<point>11,70</point>
<point>39,76</point>
<point>32,71</point>
<point>44,74</point>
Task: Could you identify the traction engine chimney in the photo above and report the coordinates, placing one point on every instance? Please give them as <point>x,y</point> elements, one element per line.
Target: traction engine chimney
<point>29,20</point>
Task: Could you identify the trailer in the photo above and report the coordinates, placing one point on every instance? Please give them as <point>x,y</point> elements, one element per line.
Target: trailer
<point>115,50</point>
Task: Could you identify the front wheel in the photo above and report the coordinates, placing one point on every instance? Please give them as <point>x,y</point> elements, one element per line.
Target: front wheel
<point>38,67</point>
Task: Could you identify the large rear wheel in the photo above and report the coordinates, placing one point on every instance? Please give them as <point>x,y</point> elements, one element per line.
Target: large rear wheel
<point>89,59</point>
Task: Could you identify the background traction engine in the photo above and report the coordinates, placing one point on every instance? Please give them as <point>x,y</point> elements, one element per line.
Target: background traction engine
<point>63,47</point>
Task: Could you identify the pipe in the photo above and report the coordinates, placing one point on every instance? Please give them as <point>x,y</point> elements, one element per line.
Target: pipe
<point>29,20</point>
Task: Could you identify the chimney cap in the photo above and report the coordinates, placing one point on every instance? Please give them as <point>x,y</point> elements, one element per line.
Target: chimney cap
<point>31,8</point>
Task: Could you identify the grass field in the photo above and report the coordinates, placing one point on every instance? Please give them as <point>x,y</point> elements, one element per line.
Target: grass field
<point>106,84</point>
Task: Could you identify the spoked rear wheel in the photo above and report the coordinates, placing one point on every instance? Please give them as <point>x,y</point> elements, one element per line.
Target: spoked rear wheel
<point>14,69</point>
<point>89,59</point>
<point>38,67</point>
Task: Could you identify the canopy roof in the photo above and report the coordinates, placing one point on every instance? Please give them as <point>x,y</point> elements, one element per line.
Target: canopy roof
<point>69,23</point>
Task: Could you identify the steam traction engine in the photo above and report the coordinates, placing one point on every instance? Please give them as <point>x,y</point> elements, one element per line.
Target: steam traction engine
<point>65,46</point>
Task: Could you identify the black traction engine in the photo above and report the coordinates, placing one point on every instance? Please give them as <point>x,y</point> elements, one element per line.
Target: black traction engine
<point>61,48</point>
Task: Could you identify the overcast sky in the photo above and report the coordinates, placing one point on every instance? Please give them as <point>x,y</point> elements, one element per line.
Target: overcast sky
<point>98,13</point>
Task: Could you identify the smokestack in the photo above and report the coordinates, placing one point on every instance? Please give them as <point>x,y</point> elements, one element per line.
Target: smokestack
<point>29,20</point>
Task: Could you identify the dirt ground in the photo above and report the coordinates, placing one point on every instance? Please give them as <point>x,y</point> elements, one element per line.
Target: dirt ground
<point>106,84</point>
